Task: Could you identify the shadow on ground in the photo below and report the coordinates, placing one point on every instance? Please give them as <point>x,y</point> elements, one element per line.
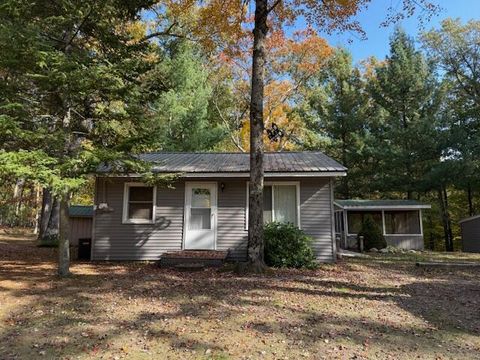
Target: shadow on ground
<point>361,309</point>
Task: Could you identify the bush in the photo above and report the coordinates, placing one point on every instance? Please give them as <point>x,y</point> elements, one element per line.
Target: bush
<point>288,246</point>
<point>372,234</point>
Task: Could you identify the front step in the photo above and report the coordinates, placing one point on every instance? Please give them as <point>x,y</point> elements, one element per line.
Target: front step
<point>193,258</point>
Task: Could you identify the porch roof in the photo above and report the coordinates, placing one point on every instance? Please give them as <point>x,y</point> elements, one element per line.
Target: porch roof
<point>381,204</point>
<point>80,211</point>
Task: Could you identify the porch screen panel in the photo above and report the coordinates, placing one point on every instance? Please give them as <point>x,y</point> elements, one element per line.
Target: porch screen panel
<point>402,222</point>
<point>285,203</point>
<point>356,218</point>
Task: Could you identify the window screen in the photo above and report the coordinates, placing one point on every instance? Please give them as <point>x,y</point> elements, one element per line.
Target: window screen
<point>356,218</point>
<point>402,222</point>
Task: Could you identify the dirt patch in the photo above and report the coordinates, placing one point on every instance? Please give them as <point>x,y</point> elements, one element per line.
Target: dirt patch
<point>378,308</point>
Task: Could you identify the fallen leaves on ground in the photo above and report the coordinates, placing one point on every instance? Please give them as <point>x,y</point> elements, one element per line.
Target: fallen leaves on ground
<point>377,308</point>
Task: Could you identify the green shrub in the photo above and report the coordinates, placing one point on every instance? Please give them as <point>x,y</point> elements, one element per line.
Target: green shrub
<point>49,241</point>
<point>288,246</point>
<point>372,234</point>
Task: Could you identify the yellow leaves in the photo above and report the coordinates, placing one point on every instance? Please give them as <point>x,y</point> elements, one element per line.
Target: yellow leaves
<point>214,23</point>
<point>136,30</point>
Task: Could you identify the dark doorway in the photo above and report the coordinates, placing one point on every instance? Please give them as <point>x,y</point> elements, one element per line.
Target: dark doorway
<point>84,249</point>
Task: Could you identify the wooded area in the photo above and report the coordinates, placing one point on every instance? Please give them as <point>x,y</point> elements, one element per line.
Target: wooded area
<point>92,82</point>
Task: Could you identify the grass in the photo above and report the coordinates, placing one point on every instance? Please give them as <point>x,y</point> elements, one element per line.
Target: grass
<point>376,308</point>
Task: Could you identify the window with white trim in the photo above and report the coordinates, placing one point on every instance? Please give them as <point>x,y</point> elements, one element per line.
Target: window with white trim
<point>139,203</point>
<point>281,203</point>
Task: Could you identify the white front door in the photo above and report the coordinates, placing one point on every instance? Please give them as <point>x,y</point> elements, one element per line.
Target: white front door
<point>200,215</point>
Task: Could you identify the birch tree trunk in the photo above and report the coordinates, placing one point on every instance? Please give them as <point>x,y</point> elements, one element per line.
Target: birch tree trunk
<point>255,216</point>
<point>17,196</point>
<point>36,189</point>
<point>64,239</point>
<point>49,218</point>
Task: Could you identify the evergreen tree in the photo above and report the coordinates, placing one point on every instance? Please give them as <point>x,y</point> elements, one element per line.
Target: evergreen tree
<point>406,90</point>
<point>183,119</point>
<point>71,95</point>
<point>455,49</point>
<point>340,107</point>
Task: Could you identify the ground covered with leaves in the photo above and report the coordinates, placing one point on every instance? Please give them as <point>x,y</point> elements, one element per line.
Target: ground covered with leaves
<point>382,307</point>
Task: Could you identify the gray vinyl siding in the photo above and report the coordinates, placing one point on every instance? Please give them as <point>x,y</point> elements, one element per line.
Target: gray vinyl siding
<point>407,242</point>
<point>116,241</point>
<point>231,231</point>
<point>471,235</point>
<point>316,215</point>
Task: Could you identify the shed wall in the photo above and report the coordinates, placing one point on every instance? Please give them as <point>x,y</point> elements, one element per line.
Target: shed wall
<point>80,228</point>
<point>471,235</point>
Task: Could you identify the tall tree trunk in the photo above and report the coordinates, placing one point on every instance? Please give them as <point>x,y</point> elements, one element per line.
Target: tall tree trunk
<point>17,196</point>
<point>64,239</point>
<point>255,216</point>
<point>446,221</point>
<point>345,179</point>
<point>38,212</point>
<point>471,209</point>
<point>49,218</point>
<point>432,238</point>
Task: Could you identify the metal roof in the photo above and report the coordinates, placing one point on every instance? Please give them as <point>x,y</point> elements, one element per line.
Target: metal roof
<point>274,162</point>
<point>381,204</point>
<point>80,211</point>
<point>475,217</point>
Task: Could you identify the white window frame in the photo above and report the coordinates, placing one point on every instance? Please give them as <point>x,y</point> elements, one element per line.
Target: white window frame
<point>125,219</point>
<point>273,183</point>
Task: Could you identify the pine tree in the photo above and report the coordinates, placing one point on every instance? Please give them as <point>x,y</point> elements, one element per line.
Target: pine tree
<point>406,90</point>
<point>341,116</point>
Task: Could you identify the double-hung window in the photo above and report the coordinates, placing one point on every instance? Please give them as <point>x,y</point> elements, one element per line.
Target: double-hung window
<point>281,202</point>
<point>139,203</point>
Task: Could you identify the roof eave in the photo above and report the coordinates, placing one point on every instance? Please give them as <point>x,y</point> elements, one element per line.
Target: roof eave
<point>469,219</point>
<point>385,207</point>
<point>239,174</point>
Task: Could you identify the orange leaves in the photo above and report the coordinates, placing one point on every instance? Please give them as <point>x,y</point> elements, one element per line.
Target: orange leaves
<point>303,53</point>
<point>216,24</point>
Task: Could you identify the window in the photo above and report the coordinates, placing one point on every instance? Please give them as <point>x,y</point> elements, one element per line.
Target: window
<point>280,203</point>
<point>201,210</point>
<point>356,218</point>
<point>139,204</point>
<point>402,222</point>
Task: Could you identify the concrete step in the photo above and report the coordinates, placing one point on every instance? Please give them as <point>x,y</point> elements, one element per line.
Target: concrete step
<point>193,257</point>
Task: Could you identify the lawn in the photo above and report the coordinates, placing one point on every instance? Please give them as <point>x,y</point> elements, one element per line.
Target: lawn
<point>377,308</point>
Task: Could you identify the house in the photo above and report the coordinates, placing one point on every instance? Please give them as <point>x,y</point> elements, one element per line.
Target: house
<point>206,208</point>
<point>399,220</point>
<point>470,228</point>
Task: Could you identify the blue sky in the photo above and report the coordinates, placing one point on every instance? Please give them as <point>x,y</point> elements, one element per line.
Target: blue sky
<point>377,43</point>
